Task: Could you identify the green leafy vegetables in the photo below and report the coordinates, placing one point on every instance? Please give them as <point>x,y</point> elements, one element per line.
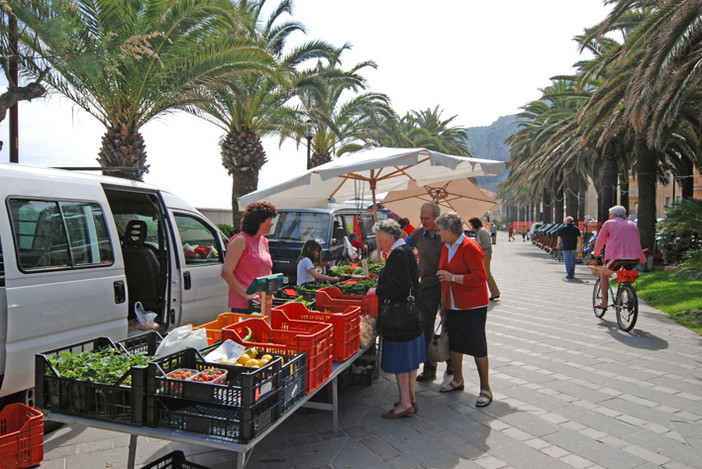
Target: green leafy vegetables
<point>106,365</point>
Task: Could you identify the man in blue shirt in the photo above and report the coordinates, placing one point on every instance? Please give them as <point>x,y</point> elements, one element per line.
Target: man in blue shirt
<point>568,237</point>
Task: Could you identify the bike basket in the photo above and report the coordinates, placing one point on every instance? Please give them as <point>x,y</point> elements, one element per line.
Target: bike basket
<point>628,276</point>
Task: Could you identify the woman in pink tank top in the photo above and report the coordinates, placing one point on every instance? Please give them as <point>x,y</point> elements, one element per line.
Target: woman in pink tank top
<point>247,254</point>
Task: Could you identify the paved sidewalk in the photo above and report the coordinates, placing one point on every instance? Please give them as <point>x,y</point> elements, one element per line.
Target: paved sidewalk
<point>571,391</point>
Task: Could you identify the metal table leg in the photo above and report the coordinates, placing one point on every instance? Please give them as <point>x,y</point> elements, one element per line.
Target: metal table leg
<point>335,405</point>
<point>132,451</point>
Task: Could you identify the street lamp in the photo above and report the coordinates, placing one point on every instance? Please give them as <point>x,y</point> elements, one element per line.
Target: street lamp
<point>308,135</point>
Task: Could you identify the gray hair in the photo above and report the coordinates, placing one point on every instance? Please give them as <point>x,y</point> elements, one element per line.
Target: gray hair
<point>450,221</point>
<point>569,220</point>
<point>435,209</point>
<point>389,227</point>
<point>618,210</point>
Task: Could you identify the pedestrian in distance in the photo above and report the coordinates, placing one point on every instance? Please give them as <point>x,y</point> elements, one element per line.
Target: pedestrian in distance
<point>524,233</point>
<point>428,244</point>
<point>483,240</point>
<point>493,231</point>
<point>510,233</point>
<point>568,236</point>
<point>465,300</point>
<point>401,356</point>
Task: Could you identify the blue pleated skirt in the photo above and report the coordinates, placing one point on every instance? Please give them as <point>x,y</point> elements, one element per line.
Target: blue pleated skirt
<point>403,357</point>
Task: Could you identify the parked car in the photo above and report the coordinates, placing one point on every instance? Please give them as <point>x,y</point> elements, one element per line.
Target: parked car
<point>329,226</point>
<point>77,251</point>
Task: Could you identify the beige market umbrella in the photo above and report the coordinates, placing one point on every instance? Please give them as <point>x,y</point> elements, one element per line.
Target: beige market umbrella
<point>459,195</point>
<point>374,170</point>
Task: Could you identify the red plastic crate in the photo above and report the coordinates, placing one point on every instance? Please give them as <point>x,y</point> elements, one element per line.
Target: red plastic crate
<point>214,328</point>
<point>21,436</point>
<point>346,338</point>
<point>333,300</point>
<point>316,345</point>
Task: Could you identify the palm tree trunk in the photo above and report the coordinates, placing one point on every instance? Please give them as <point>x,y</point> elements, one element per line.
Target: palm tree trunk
<point>547,216</point>
<point>624,190</point>
<point>572,196</point>
<point>558,200</point>
<point>608,193</point>
<point>646,160</point>
<point>687,184</point>
<point>124,147</point>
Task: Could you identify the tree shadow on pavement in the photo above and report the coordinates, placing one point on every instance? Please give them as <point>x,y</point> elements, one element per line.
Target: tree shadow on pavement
<point>635,338</point>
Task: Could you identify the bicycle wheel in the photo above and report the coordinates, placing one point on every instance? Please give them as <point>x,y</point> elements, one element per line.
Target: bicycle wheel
<point>597,300</point>
<point>627,307</point>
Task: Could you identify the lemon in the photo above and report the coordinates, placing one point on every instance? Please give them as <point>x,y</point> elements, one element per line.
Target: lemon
<point>267,357</point>
<point>252,363</point>
<point>263,362</point>
<point>243,359</point>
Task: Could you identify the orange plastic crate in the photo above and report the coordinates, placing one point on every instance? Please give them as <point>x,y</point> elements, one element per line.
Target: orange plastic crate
<point>21,436</point>
<point>627,275</point>
<point>331,299</point>
<point>214,328</point>
<point>314,342</point>
<point>346,338</point>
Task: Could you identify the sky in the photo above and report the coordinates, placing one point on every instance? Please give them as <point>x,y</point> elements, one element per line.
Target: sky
<point>476,60</point>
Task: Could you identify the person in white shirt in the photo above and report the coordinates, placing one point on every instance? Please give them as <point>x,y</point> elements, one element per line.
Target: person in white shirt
<point>308,261</point>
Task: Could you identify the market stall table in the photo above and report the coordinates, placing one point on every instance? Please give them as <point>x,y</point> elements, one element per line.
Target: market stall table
<point>212,442</point>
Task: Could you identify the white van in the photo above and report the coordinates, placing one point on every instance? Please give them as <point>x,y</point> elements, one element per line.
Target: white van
<point>77,251</point>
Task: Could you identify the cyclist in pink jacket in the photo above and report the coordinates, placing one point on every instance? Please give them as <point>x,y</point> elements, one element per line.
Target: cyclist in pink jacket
<point>622,241</point>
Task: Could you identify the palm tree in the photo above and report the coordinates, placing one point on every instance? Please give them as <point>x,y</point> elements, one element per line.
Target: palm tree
<point>250,107</point>
<point>129,62</point>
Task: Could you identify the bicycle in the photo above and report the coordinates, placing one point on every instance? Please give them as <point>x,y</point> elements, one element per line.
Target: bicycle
<point>626,302</point>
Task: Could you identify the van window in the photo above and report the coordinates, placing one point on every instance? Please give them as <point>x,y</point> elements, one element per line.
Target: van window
<point>199,241</point>
<point>301,226</point>
<point>58,234</point>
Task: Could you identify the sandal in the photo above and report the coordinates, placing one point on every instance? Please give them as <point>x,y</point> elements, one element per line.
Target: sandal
<point>452,386</point>
<point>484,399</point>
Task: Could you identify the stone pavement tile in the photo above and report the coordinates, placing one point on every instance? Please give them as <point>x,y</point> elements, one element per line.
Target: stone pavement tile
<point>317,454</point>
<point>647,455</point>
<point>356,454</point>
<point>523,456</point>
<point>260,460</point>
<point>678,465</point>
<point>685,454</point>
<point>99,459</point>
<point>593,450</point>
<point>490,462</point>
<point>532,424</point>
<point>576,461</point>
<point>539,399</point>
<point>379,448</point>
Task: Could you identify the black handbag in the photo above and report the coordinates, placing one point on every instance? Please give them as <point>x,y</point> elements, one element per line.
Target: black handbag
<point>399,322</point>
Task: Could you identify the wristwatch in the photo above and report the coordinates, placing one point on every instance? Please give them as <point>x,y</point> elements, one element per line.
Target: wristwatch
<point>453,278</point>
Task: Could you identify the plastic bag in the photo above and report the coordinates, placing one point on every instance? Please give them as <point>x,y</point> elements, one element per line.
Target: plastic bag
<point>145,318</point>
<point>227,354</point>
<point>181,338</point>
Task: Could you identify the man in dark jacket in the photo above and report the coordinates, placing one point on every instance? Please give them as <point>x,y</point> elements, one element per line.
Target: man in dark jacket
<point>429,245</point>
<point>568,237</point>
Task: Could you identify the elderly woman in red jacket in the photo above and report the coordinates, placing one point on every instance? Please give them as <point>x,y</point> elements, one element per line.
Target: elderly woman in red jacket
<point>465,299</point>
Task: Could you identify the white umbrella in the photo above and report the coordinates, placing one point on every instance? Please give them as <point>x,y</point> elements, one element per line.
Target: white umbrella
<point>459,195</point>
<point>373,170</point>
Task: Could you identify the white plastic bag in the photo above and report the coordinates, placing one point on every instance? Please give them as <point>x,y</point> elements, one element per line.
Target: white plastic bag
<point>181,338</point>
<point>145,318</point>
<point>227,354</point>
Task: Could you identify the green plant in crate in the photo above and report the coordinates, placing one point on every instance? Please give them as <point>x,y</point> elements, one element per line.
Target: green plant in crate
<point>106,365</point>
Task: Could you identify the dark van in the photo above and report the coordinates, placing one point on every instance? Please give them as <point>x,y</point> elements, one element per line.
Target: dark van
<point>329,226</point>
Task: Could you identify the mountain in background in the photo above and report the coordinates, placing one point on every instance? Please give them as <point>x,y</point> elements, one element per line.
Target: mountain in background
<point>489,143</point>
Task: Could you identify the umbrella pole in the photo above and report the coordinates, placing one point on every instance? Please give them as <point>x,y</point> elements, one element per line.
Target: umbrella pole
<point>375,214</point>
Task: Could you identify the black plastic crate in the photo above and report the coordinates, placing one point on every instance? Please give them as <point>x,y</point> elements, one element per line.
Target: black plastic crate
<point>174,460</point>
<point>292,381</point>
<point>218,421</point>
<point>362,370</point>
<point>123,402</point>
<point>243,386</point>
<point>255,306</point>
<point>146,343</point>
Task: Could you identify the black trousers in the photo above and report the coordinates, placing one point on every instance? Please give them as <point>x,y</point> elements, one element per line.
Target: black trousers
<point>428,301</point>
